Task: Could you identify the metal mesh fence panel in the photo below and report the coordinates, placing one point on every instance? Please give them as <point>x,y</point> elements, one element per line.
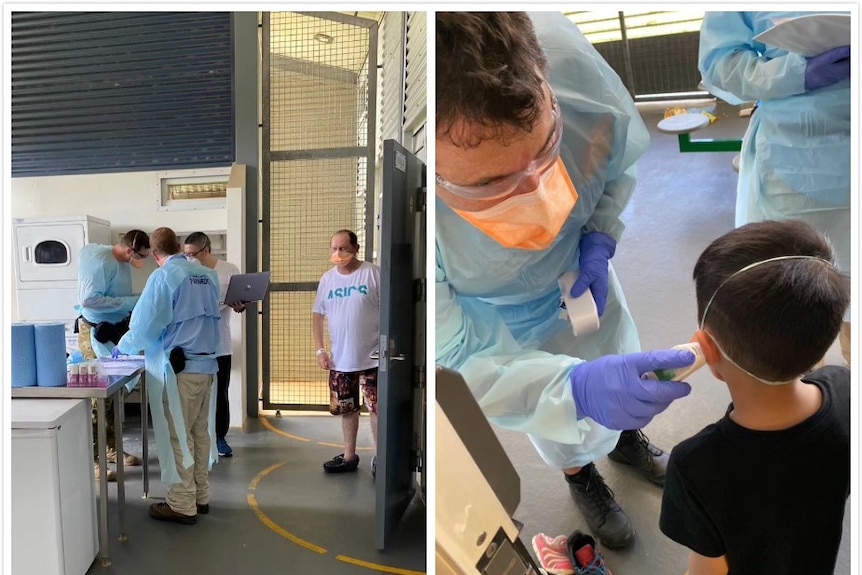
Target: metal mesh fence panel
<point>661,57</point>
<point>315,132</point>
<point>295,379</point>
<point>310,200</point>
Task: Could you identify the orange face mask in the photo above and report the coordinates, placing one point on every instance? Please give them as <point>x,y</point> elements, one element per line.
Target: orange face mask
<point>337,258</point>
<point>529,221</point>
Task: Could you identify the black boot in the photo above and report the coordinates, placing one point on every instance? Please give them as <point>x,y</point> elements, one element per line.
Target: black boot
<point>596,501</point>
<point>635,449</point>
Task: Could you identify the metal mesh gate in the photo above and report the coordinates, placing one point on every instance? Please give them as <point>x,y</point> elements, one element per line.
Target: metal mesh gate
<point>653,52</point>
<point>319,81</point>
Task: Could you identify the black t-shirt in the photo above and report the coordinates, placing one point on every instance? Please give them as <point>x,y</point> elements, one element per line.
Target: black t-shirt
<point>772,501</point>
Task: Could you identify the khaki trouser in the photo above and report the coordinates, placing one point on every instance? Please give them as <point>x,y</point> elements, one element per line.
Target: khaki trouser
<point>86,347</point>
<point>194,391</point>
<point>844,341</point>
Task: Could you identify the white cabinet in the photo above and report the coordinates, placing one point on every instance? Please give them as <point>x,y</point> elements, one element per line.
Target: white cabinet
<point>53,492</point>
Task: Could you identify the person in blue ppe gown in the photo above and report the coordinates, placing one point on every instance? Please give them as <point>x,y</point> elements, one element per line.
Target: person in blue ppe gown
<point>795,159</point>
<point>536,144</point>
<point>176,324</point>
<point>197,247</point>
<point>105,300</point>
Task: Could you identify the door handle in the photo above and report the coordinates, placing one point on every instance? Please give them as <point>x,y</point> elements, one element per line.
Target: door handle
<point>376,355</point>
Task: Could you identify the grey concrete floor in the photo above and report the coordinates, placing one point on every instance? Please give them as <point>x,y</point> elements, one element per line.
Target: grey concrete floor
<point>270,503</point>
<point>682,202</point>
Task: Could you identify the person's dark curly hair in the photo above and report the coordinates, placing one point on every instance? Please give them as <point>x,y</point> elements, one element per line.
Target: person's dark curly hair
<point>491,74</point>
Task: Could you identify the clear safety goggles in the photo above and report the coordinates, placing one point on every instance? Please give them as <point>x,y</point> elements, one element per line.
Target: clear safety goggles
<point>136,254</point>
<point>503,187</point>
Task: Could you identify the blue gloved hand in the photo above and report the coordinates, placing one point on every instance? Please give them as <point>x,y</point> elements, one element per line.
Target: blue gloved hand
<point>611,391</point>
<point>827,68</point>
<point>115,353</point>
<point>596,249</point>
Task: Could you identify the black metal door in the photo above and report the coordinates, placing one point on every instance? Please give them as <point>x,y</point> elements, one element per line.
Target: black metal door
<point>402,325</point>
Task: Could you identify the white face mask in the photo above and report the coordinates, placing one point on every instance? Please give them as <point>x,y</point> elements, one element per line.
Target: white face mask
<point>193,259</point>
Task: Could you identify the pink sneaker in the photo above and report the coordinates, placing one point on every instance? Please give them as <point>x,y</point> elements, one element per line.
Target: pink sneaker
<point>552,554</point>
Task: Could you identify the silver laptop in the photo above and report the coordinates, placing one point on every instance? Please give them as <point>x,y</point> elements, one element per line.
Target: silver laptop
<point>247,287</point>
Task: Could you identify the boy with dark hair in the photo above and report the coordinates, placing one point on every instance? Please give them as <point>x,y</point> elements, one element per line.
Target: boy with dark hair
<point>753,491</point>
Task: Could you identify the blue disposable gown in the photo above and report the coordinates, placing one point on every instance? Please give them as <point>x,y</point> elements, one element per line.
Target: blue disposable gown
<point>497,312</point>
<point>178,308</point>
<point>795,159</point>
<point>104,290</point>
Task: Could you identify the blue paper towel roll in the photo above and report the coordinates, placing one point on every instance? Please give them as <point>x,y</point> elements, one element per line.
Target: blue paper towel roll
<point>23,355</point>
<point>50,354</point>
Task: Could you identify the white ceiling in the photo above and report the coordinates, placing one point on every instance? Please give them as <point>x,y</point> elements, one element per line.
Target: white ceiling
<point>292,36</point>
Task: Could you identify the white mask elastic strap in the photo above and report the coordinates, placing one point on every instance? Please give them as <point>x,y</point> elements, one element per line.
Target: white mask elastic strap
<point>743,370</point>
<point>721,285</point>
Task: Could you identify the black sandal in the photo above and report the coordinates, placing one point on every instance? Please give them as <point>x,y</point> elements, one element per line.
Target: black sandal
<point>338,465</point>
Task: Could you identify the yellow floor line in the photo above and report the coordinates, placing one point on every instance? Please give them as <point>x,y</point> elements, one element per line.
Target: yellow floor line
<point>271,427</point>
<point>253,485</point>
<point>252,502</point>
<point>274,429</point>
<point>275,527</point>
<point>376,567</point>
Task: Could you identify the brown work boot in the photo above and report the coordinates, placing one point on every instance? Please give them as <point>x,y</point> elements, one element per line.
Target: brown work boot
<point>128,458</point>
<point>163,512</point>
<point>112,475</point>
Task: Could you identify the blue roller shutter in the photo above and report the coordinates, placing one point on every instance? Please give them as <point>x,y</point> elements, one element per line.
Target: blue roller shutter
<point>120,91</point>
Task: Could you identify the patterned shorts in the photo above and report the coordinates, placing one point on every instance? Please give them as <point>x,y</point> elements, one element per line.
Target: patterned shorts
<point>344,391</point>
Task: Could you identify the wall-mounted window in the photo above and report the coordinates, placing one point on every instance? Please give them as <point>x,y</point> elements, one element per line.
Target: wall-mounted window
<point>100,92</point>
<point>193,189</point>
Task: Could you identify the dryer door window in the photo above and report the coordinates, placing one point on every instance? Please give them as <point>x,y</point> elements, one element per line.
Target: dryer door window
<point>51,252</point>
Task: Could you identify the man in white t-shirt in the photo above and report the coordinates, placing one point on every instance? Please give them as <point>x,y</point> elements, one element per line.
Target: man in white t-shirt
<point>349,297</point>
<point>197,247</point>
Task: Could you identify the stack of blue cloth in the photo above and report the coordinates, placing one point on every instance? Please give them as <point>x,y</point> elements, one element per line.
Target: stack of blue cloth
<point>23,355</point>
<point>38,354</point>
<point>50,354</point>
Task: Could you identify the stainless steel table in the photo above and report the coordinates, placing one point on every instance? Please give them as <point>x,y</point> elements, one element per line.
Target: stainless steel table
<point>101,394</point>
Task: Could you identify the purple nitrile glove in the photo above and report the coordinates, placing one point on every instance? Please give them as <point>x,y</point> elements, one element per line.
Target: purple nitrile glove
<point>827,68</point>
<point>611,391</point>
<point>596,249</point>
<point>115,353</point>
